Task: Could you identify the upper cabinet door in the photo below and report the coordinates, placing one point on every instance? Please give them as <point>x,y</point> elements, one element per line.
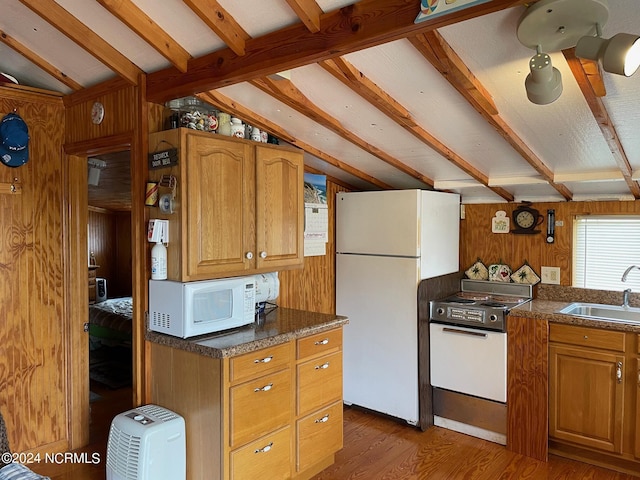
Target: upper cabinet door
<point>279,208</point>
<point>220,206</point>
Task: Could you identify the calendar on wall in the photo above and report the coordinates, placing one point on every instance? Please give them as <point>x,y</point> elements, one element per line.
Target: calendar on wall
<point>316,215</point>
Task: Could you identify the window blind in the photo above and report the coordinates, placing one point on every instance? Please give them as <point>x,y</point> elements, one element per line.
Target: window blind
<point>604,247</point>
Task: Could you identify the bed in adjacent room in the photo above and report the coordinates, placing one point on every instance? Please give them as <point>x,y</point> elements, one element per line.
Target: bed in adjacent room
<point>110,326</point>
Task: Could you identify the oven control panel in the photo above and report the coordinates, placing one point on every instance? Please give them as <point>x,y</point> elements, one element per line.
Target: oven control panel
<point>485,318</point>
<point>460,313</point>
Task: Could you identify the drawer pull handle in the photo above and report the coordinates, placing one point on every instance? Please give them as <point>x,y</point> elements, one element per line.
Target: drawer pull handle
<point>322,342</point>
<point>619,372</point>
<point>263,360</point>
<point>323,366</point>
<point>586,337</point>
<point>324,419</point>
<point>464,332</point>
<point>266,388</point>
<point>264,449</point>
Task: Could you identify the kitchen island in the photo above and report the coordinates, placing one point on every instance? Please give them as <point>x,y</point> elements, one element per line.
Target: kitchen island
<point>265,397</point>
<point>572,385</point>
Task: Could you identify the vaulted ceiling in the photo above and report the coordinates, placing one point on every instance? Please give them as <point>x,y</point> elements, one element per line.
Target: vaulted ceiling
<point>375,100</point>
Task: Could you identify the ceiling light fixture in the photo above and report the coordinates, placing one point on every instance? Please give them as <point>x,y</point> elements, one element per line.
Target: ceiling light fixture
<point>554,25</point>
<point>620,54</point>
<point>544,83</point>
<point>93,175</point>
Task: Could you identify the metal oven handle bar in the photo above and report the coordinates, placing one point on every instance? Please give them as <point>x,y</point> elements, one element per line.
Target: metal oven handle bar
<point>464,332</point>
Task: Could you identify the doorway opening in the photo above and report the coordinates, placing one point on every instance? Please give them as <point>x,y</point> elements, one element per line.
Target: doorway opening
<point>110,315</point>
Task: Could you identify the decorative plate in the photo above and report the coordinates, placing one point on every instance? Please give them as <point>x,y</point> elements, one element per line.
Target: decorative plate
<point>499,272</point>
<point>525,274</point>
<point>477,271</point>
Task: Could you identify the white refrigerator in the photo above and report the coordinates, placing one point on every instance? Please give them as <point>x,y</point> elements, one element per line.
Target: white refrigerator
<point>386,243</point>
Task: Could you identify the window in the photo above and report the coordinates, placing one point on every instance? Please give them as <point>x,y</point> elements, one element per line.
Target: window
<point>604,247</point>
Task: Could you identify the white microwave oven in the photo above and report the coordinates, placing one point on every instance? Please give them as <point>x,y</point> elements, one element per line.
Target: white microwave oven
<point>197,308</point>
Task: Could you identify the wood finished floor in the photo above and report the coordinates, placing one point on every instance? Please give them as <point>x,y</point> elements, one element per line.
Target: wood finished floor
<point>375,448</point>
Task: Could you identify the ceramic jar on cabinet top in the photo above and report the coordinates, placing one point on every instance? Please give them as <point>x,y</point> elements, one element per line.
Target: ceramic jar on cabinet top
<point>237,128</point>
<point>224,124</point>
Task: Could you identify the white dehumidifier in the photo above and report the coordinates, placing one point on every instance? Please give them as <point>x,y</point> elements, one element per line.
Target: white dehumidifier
<point>147,443</point>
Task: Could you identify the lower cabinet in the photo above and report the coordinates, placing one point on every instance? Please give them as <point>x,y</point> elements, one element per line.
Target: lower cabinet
<point>271,454</point>
<point>319,424</point>
<point>586,399</point>
<point>594,395</point>
<point>275,410</point>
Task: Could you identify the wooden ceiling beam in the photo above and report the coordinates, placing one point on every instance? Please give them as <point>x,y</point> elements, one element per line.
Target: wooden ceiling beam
<point>286,92</point>
<point>39,61</point>
<point>226,104</point>
<point>438,52</point>
<point>593,70</point>
<point>364,24</point>
<point>603,119</point>
<point>138,21</point>
<point>349,75</point>
<point>435,49</point>
<point>309,12</point>
<point>223,24</point>
<point>70,26</point>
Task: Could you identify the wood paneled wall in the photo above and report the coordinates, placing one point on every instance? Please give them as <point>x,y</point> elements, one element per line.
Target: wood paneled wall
<point>119,99</point>
<point>125,127</point>
<point>314,287</point>
<point>477,241</point>
<point>33,324</point>
<point>109,238</point>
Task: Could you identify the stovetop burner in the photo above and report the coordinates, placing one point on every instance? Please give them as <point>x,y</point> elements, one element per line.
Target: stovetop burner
<point>458,299</point>
<point>493,304</point>
<point>480,304</point>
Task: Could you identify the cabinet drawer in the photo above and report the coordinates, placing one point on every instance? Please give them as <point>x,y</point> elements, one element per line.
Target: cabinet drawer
<point>259,406</point>
<point>258,363</point>
<point>587,337</point>
<point>319,382</point>
<point>319,435</point>
<point>269,456</point>
<point>319,343</point>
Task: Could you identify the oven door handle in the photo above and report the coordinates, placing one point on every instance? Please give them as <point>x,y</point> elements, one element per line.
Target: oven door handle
<point>464,332</point>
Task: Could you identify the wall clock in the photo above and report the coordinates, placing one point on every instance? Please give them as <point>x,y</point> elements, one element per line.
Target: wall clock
<point>97,113</point>
<point>526,219</point>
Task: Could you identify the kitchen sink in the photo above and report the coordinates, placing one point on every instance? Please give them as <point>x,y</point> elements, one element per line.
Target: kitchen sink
<point>614,313</point>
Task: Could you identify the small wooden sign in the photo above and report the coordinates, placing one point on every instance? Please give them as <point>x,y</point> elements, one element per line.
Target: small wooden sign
<point>163,158</point>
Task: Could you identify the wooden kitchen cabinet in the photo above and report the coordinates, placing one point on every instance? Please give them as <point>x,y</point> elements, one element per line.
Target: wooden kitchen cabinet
<point>587,387</point>
<point>319,432</point>
<point>239,205</point>
<point>269,410</point>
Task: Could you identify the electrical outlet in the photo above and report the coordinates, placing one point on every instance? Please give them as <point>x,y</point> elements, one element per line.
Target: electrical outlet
<point>550,275</point>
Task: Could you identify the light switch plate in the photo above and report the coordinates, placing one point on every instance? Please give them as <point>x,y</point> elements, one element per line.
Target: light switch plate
<point>550,275</point>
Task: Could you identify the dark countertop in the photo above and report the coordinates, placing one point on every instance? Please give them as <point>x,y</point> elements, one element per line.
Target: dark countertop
<point>274,327</point>
<point>553,298</point>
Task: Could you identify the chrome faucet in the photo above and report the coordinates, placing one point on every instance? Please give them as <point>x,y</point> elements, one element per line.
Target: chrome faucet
<point>625,294</point>
<point>625,297</point>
